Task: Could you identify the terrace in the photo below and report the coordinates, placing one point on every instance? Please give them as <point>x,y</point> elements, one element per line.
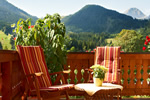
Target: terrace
<point>135,76</point>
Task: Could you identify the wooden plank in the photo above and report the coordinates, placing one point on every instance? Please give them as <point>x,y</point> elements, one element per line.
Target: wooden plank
<point>6,57</point>
<point>149,72</point>
<point>125,75</point>
<point>131,75</point>
<point>17,79</point>
<point>128,92</point>
<point>135,56</point>
<point>80,56</point>
<point>131,92</point>
<point>79,66</point>
<point>138,75</point>
<point>121,67</point>
<point>85,66</point>
<point>72,64</point>
<point>145,74</point>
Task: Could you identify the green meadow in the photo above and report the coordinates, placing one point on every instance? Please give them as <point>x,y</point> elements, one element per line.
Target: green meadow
<point>5,40</point>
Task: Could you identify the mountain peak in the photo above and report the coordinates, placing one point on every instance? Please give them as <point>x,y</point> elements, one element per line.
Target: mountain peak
<point>92,6</point>
<point>135,13</point>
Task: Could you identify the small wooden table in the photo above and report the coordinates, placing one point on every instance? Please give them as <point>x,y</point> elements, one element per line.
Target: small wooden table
<point>105,92</point>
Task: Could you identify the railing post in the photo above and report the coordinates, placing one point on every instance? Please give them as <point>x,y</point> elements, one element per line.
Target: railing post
<point>6,78</point>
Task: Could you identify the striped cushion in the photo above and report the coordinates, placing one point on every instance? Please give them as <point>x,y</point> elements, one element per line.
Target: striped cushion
<point>33,61</point>
<point>58,87</point>
<point>109,57</point>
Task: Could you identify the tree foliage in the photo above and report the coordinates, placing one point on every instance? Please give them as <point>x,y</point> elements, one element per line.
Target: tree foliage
<point>81,42</point>
<point>48,32</point>
<point>129,40</point>
<point>144,30</point>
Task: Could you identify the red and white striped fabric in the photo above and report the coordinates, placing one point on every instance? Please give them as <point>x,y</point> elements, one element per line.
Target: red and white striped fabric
<point>33,61</point>
<point>109,57</point>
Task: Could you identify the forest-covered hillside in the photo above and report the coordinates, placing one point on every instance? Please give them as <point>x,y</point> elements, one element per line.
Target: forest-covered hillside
<point>10,14</point>
<point>96,19</point>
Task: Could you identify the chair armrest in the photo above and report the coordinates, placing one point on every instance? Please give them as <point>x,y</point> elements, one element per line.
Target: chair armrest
<point>90,70</point>
<point>39,74</point>
<point>61,72</point>
<point>35,74</point>
<point>67,71</point>
<point>119,70</point>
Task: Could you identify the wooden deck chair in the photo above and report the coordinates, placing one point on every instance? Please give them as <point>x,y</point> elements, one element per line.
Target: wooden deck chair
<point>109,57</point>
<point>38,78</point>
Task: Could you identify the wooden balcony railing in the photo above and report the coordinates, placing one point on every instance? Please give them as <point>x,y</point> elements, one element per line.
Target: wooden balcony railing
<point>77,63</point>
<point>135,76</point>
<point>135,73</point>
<point>135,68</point>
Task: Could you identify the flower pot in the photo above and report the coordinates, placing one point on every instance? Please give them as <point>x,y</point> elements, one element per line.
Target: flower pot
<point>98,81</point>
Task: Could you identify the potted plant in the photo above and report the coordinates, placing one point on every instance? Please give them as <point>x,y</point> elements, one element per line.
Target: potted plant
<point>98,74</point>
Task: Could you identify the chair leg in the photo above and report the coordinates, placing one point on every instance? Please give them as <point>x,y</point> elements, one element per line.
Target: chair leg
<point>37,88</point>
<point>67,96</point>
<point>120,97</point>
<point>24,96</point>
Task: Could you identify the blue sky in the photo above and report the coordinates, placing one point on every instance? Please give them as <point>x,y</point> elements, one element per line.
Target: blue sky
<point>40,8</point>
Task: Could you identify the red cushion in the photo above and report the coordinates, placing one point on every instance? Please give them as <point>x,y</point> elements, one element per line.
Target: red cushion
<point>32,58</point>
<point>109,57</point>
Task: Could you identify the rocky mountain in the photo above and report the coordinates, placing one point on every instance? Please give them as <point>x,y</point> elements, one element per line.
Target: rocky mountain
<point>135,13</point>
<point>97,19</point>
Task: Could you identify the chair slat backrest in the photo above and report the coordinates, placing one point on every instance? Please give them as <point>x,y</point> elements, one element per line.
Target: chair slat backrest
<point>109,57</point>
<point>33,61</point>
